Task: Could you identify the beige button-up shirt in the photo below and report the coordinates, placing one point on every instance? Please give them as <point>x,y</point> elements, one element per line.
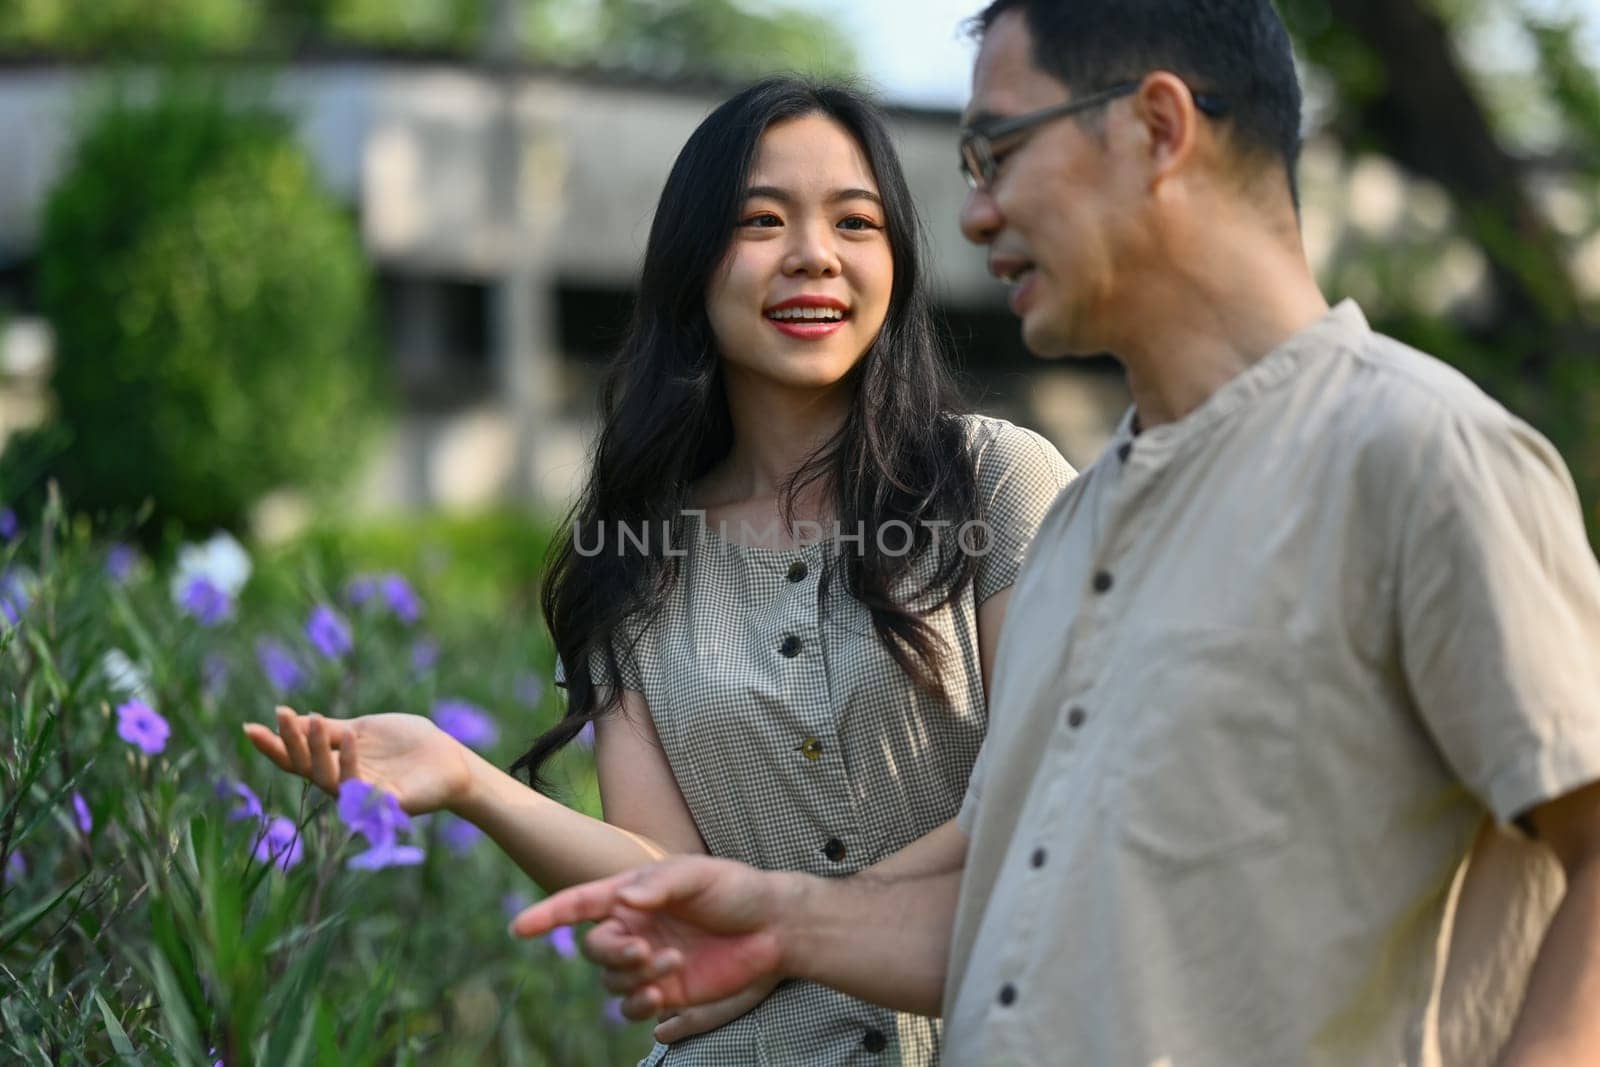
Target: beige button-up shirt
<point>1276,680</point>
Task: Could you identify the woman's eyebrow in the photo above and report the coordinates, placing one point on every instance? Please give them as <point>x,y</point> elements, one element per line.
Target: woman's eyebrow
<point>783,196</point>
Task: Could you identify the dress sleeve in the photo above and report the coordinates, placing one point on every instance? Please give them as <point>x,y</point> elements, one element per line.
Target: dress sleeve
<point>623,644</point>
<point>1499,612</point>
<point>1020,474</point>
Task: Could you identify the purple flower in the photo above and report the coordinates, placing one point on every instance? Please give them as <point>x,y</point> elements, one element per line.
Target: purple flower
<point>328,633</point>
<point>16,868</point>
<point>378,817</point>
<point>564,941</point>
<point>424,654</point>
<point>214,675</point>
<point>612,1013</point>
<point>585,738</point>
<point>514,903</point>
<point>283,671</point>
<point>140,726</point>
<point>279,843</point>
<point>120,562</point>
<point>80,811</point>
<point>14,598</point>
<point>380,856</point>
<point>360,589</point>
<point>401,598</point>
<point>467,723</point>
<point>249,804</point>
<point>371,811</point>
<point>460,836</point>
<point>206,602</point>
<point>529,690</point>
<point>8,524</point>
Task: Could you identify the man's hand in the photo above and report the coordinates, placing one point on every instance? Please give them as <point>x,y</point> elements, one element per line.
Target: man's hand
<point>689,931</point>
<point>675,1026</point>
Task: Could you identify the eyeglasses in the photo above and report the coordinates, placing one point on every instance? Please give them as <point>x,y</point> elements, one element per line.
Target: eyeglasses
<point>977,141</point>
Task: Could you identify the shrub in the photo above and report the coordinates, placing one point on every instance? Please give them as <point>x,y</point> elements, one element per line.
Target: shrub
<point>153,916</point>
<point>211,308</point>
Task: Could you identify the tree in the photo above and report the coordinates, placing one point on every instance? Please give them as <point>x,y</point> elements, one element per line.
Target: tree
<point>1402,89</point>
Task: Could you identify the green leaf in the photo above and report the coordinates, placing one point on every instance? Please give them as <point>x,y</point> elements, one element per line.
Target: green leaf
<point>118,1036</point>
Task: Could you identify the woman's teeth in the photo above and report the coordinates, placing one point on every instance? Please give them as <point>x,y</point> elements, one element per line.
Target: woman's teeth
<point>806,315</point>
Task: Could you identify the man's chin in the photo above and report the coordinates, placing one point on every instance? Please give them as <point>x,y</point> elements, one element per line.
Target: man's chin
<point>1045,340</point>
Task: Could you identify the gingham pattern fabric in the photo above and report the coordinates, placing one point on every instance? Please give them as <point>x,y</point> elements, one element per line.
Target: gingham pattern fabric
<point>799,743</point>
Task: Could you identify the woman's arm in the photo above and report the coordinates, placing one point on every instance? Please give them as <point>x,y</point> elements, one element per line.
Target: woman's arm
<point>645,816</point>
<point>427,770</point>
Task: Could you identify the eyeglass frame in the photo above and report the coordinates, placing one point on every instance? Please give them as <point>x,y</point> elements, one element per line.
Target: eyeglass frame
<point>977,141</point>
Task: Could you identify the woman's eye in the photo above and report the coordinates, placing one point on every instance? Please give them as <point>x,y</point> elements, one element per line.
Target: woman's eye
<point>859,222</point>
<point>764,221</point>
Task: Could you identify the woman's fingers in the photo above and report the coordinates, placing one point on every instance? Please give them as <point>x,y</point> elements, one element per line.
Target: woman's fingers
<point>294,740</point>
<point>268,744</point>
<point>349,760</point>
<point>324,764</point>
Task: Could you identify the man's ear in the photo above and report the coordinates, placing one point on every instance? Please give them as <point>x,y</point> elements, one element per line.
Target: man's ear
<point>1165,107</point>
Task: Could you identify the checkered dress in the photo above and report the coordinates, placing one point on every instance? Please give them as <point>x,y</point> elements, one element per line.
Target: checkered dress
<point>799,743</point>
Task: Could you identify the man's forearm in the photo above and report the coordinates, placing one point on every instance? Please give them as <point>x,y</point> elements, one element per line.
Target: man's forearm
<point>1559,1023</point>
<point>887,942</point>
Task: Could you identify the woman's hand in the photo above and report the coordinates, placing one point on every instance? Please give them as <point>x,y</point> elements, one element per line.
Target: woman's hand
<point>690,1021</point>
<point>407,755</point>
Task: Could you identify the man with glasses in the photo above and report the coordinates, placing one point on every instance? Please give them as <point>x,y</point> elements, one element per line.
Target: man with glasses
<point>1296,717</point>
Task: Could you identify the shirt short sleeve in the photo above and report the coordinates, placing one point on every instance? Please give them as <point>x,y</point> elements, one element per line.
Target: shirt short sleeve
<point>1499,612</point>
<point>1019,474</point>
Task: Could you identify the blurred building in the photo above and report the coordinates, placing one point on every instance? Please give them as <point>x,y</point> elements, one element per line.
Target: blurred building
<point>505,210</point>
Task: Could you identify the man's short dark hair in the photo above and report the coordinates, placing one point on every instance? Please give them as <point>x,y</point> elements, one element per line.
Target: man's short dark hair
<point>1238,50</point>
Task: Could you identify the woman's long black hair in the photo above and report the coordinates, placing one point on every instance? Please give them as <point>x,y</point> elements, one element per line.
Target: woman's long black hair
<point>901,453</point>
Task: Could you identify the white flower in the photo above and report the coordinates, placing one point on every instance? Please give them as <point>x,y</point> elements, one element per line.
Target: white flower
<point>126,676</point>
<point>222,561</point>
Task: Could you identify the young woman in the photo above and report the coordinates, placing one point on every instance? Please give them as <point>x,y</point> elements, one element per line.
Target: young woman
<point>758,691</point>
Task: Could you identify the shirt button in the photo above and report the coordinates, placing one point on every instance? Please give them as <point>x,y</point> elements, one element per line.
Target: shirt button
<point>810,748</point>
<point>1077,717</point>
<point>874,1041</point>
<point>1102,582</point>
<point>790,647</point>
<point>1038,858</point>
<point>1008,995</point>
<point>834,850</point>
<point>797,571</point>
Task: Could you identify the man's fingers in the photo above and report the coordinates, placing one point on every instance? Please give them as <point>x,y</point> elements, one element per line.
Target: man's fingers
<point>645,1003</point>
<point>268,744</point>
<point>294,741</point>
<point>611,944</point>
<point>324,764</point>
<point>665,883</point>
<point>589,902</point>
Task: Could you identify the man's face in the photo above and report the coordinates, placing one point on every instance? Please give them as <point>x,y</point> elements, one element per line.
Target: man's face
<point>1053,216</point>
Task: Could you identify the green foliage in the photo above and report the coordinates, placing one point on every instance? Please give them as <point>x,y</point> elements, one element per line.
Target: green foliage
<point>129,25</point>
<point>686,36</point>
<point>158,935</point>
<point>210,303</point>
<point>728,38</point>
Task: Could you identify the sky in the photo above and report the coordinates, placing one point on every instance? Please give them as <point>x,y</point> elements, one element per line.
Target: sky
<point>912,49</point>
<point>915,52</point>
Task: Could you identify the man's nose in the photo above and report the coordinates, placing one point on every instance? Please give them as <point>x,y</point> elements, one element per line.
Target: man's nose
<point>980,217</point>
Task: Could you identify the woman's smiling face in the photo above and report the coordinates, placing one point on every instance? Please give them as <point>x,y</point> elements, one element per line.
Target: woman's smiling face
<point>804,287</point>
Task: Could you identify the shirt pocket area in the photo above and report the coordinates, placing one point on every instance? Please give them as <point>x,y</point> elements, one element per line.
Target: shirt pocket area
<point>1202,756</point>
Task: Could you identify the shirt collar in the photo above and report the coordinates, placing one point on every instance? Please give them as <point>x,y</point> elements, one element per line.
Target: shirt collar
<point>1344,325</point>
